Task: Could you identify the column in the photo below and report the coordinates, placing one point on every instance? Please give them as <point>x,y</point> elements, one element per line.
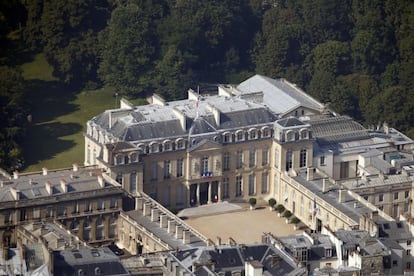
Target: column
<point>209,193</point>
<point>197,193</point>
<point>219,191</point>
<point>188,191</point>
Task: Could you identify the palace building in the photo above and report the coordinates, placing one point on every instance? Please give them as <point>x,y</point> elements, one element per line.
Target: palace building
<point>262,138</point>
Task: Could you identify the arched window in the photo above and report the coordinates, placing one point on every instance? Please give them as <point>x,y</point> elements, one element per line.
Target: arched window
<point>167,145</point>
<point>252,134</point>
<point>239,135</point>
<point>227,137</point>
<point>265,132</point>
<point>180,143</point>
<point>154,147</point>
<point>303,134</point>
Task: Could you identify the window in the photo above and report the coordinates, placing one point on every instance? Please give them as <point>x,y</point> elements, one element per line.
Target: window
<point>344,170</point>
<point>154,171</point>
<point>226,161</point>
<point>328,252</point>
<point>133,158</point>
<point>94,156</point>
<point>101,204</point>
<point>75,209</point>
<point>49,212</point>
<point>265,183</point>
<point>239,185</point>
<point>180,144</point>
<point>167,146</point>
<point>265,132</point>
<point>167,169</point>
<point>396,195</point>
<point>226,193</point>
<point>227,137</point>
<point>252,184</point>
<point>408,242</point>
<point>154,147</point>
<point>179,167</point>
<point>36,213</point>
<point>204,165</point>
<point>302,159</point>
<point>381,197</point>
<point>252,158</point>
<point>113,203</point>
<point>408,252</point>
<point>239,135</point>
<point>276,158</point>
<point>239,161</point>
<point>265,157</point>
<point>61,210</point>
<point>322,160</point>
<point>119,178</point>
<point>133,182</point>
<point>253,134</point>
<point>88,206</point>
<point>289,160</point>
<point>88,154</point>
<point>290,135</point>
<point>119,160</point>
<point>303,134</point>
<point>406,194</point>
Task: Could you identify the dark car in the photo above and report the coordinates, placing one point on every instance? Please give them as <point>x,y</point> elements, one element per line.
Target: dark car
<point>117,251</point>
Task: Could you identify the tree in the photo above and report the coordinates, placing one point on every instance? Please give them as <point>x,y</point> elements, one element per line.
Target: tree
<point>13,114</point>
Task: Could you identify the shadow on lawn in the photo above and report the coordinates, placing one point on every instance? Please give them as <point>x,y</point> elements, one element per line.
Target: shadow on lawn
<point>48,100</point>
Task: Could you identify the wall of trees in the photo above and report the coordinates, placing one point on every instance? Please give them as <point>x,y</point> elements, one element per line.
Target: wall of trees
<point>356,55</point>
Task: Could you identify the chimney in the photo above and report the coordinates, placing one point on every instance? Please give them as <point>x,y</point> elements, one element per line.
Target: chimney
<point>16,174</point>
<point>325,185</point>
<point>15,193</point>
<point>75,167</point>
<point>48,186</point>
<point>64,185</point>
<point>101,181</point>
<point>218,240</point>
<point>309,174</point>
<point>341,197</point>
<point>44,170</point>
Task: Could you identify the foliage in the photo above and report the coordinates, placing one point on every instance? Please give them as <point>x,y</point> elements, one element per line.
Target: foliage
<point>272,202</point>
<point>287,214</point>
<point>280,208</point>
<point>295,220</point>
<point>14,118</point>
<point>252,201</point>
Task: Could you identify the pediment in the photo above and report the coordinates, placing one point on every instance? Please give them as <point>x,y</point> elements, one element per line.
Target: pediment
<point>205,145</point>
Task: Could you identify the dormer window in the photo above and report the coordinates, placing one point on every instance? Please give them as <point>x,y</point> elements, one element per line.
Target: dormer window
<point>227,137</point>
<point>253,134</point>
<point>154,147</point>
<point>304,134</point>
<point>290,135</point>
<point>239,135</point>
<point>133,157</point>
<point>167,145</point>
<point>265,132</point>
<point>119,159</point>
<point>180,143</point>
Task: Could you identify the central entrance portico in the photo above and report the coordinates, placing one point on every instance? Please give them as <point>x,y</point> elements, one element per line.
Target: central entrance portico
<point>205,193</point>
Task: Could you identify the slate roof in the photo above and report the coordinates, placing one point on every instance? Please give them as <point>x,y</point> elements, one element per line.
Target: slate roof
<point>88,261</point>
<point>280,95</point>
<point>289,122</point>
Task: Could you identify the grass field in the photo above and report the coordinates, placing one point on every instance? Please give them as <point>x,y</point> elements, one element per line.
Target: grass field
<point>55,137</point>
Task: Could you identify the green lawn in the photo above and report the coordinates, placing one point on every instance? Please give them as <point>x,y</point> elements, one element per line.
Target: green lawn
<point>55,137</point>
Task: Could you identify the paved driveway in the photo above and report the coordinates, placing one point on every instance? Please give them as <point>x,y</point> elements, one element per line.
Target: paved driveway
<point>239,223</point>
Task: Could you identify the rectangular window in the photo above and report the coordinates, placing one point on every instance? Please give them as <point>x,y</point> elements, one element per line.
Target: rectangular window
<point>101,204</point>
<point>154,170</point>
<point>252,184</point>
<point>302,159</point>
<point>239,161</point>
<point>61,210</point>
<point>252,158</point>
<point>276,158</point>
<point>226,193</point>
<point>133,182</point>
<point>265,182</point>
<point>226,161</point>
<point>113,203</point>
<point>204,165</point>
<point>322,161</point>
<point>344,170</point>
<point>289,160</point>
<point>75,209</point>
<point>408,252</point>
<point>167,169</point>
<point>240,136</point>
<point>239,185</point>
<point>265,157</point>
<point>406,194</point>
<point>381,197</point>
<point>396,195</point>
<point>36,213</point>
<point>88,206</point>
<point>179,167</point>
<point>49,212</point>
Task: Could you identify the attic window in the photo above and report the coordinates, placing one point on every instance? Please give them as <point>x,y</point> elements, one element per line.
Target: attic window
<point>154,147</point>
<point>253,134</point>
<point>227,137</point>
<point>167,146</point>
<point>303,134</point>
<point>290,135</point>
<point>265,132</point>
<point>239,135</point>
<point>180,144</point>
